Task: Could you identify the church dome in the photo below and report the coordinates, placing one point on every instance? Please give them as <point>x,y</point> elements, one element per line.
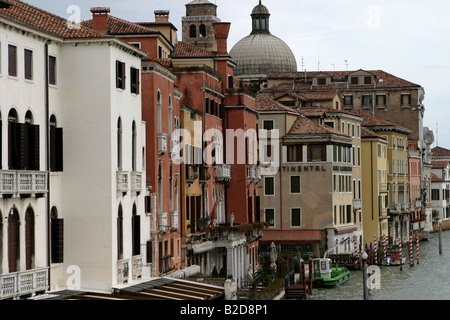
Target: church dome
<point>261,52</point>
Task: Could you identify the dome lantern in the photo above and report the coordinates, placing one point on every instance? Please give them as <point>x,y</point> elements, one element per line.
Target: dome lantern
<point>260,19</point>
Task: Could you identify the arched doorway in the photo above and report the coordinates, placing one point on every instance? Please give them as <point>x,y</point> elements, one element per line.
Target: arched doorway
<point>13,241</point>
<point>29,239</point>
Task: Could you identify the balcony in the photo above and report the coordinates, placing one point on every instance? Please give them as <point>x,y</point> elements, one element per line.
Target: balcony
<point>162,143</point>
<point>136,181</point>
<point>191,173</point>
<point>122,181</point>
<point>223,172</point>
<point>123,271</point>
<point>22,283</point>
<point>163,222</point>
<point>23,183</point>
<point>136,270</point>
<point>174,219</point>
<point>357,204</point>
<point>204,174</point>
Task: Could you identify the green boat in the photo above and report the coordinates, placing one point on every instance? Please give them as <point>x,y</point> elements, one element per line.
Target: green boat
<point>325,275</point>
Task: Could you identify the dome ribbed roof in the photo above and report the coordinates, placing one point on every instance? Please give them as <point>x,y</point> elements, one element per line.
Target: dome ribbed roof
<point>258,54</point>
<point>260,9</point>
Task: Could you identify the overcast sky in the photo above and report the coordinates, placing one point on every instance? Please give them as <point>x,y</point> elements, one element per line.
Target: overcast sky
<point>407,38</point>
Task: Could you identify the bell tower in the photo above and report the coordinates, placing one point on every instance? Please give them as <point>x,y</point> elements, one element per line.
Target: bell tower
<point>198,24</point>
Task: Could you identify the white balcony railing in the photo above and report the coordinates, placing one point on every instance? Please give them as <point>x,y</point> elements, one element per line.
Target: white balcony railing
<point>21,283</point>
<point>123,271</point>
<point>136,270</point>
<point>223,172</point>
<point>122,181</point>
<point>162,143</point>
<point>136,181</point>
<point>357,204</point>
<point>16,183</point>
<point>174,219</point>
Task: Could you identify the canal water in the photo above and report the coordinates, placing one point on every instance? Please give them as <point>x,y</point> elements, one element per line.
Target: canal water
<point>428,280</point>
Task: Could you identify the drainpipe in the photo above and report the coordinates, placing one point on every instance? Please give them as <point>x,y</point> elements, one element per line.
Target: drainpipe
<point>47,136</point>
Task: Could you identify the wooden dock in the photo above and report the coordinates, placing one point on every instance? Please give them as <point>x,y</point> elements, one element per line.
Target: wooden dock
<point>296,292</point>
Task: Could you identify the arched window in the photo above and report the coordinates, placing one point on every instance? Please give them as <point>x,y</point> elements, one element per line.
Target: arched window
<point>202,30</point>
<point>13,140</point>
<point>57,237</point>
<point>13,241</point>
<point>29,239</point>
<point>56,146</point>
<point>133,147</point>
<point>119,144</point>
<point>159,112</point>
<point>120,233</point>
<point>136,232</point>
<point>193,31</point>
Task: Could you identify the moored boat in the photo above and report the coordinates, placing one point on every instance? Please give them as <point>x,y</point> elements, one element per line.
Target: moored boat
<point>326,275</point>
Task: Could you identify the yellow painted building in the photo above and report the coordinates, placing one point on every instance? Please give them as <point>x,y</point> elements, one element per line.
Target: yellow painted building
<point>374,189</point>
<point>397,179</point>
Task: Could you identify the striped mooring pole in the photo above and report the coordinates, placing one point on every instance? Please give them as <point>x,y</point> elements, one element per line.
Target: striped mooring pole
<point>310,275</point>
<point>384,248</point>
<point>417,248</point>
<point>411,254</point>
<point>304,277</point>
<point>375,249</point>
<point>400,247</point>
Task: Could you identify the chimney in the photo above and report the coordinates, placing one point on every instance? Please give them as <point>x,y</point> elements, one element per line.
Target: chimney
<point>221,31</point>
<point>162,16</point>
<point>100,19</point>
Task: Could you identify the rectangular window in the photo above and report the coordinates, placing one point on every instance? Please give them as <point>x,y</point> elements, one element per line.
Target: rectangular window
<point>379,150</point>
<point>52,70</point>
<point>317,153</point>
<point>321,81</point>
<point>367,100</point>
<point>367,80</point>
<point>28,56</point>
<point>329,123</point>
<point>295,184</point>
<point>134,85</point>
<point>295,153</point>
<point>56,149</point>
<point>57,238</point>
<point>348,100</point>
<point>269,186</point>
<point>358,132</point>
<point>406,99</point>
<point>381,100</point>
<point>354,80</point>
<point>268,125</point>
<point>359,156</point>
<point>296,217</point>
<point>12,60</point>
<point>120,75</point>
<point>269,216</point>
<point>435,194</point>
<point>349,213</point>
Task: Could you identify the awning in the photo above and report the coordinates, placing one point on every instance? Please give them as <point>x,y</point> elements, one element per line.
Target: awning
<point>291,236</point>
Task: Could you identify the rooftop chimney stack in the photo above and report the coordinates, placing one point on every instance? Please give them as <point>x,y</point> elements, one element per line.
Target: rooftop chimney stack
<point>162,16</point>
<point>221,31</point>
<point>100,19</point>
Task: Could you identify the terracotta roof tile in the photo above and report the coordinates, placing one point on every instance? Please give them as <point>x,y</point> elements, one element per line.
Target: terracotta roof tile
<point>186,50</point>
<point>266,103</point>
<point>439,164</point>
<point>440,152</point>
<point>367,133</point>
<point>340,79</point>
<point>435,178</point>
<point>43,21</point>
<point>305,126</point>
<point>117,26</point>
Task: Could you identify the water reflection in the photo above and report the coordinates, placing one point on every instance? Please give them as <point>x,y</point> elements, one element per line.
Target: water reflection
<point>428,280</point>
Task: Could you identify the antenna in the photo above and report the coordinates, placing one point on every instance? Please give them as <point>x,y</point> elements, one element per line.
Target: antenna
<point>346,63</point>
<point>437,134</point>
<point>318,64</point>
<point>334,66</point>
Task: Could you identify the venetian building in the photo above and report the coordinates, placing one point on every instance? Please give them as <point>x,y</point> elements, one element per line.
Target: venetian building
<point>261,52</point>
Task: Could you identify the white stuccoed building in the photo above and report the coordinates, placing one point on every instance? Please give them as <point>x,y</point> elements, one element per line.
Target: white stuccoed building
<point>72,176</point>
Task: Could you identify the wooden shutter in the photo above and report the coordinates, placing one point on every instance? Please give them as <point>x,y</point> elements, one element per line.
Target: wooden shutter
<point>250,209</point>
<point>118,78</point>
<point>123,75</point>
<point>149,248</point>
<point>12,61</point>
<point>28,56</point>
<point>13,244</point>
<point>12,146</point>
<point>188,208</point>
<point>33,147</point>
<point>52,70</point>
<point>57,238</point>
<point>119,237</point>
<point>22,132</point>
<point>56,149</point>
<point>257,209</point>
<point>29,241</point>
<point>136,233</point>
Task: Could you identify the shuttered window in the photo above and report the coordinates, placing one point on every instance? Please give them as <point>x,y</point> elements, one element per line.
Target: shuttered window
<point>28,56</point>
<point>56,149</point>
<point>12,60</point>
<point>120,75</point>
<point>134,80</point>
<point>269,186</point>
<point>23,146</point>
<point>149,252</point>
<point>52,70</point>
<point>57,239</point>
<point>136,235</point>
